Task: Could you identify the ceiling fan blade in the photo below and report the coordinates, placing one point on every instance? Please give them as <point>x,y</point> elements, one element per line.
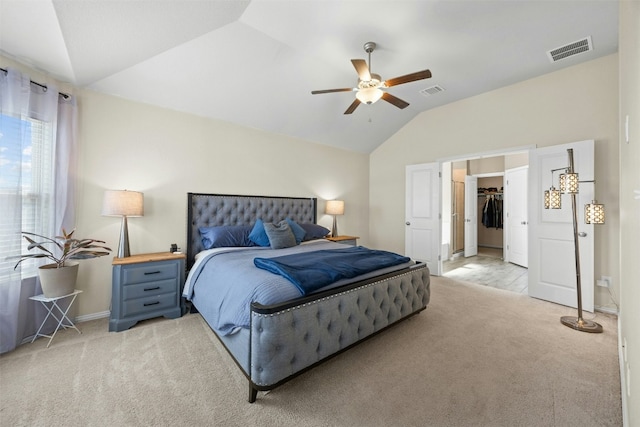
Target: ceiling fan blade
<point>420,75</point>
<point>394,100</point>
<point>353,106</point>
<point>362,69</point>
<point>346,89</point>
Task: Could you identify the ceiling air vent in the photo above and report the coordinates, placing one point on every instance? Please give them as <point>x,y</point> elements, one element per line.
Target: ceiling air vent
<point>432,90</point>
<point>574,48</point>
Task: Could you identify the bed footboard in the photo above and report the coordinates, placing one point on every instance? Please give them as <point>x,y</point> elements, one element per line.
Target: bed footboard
<point>286,341</point>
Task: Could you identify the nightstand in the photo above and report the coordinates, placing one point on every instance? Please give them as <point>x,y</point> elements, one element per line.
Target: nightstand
<point>146,286</point>
<point>345,240</point>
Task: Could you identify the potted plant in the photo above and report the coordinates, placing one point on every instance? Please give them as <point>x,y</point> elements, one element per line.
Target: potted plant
<point>59,278</point>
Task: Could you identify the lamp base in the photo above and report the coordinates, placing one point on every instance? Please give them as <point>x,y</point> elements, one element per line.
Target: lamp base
<point>123,245</point>
<point>580,324</point>
<point>334,230</point>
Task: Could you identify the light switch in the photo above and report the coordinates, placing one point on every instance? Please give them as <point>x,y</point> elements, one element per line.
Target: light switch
<point>626,128</point>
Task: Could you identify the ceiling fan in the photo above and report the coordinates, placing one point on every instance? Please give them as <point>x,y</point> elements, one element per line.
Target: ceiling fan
<point>370,85</point>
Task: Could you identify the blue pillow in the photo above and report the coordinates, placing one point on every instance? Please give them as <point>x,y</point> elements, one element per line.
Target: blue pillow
<point>280,235</point>
<point>258,235</point>
<point>298,231</point>
<point>314,231</point>
<point>225,236</point>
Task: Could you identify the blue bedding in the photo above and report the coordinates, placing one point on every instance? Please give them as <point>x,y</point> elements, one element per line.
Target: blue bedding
<point>224,282</point>
<point>311,271</point>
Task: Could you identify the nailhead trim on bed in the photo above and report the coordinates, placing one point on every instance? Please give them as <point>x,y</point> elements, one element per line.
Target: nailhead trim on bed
<point>298,337</point>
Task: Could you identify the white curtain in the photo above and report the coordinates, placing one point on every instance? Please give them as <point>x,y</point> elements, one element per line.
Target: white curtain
<point>37,189</point>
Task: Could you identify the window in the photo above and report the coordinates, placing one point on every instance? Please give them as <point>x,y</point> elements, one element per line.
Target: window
<point>26,187</point>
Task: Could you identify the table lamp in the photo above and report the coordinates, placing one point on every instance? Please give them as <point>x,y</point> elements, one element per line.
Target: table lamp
<point>123,203</point>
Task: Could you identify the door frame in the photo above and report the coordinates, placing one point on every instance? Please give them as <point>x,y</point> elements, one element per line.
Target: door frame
<point>504,224</point>
<point>475,156</point>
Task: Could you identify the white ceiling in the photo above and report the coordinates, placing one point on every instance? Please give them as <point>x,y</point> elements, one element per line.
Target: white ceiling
<point>256,62</point>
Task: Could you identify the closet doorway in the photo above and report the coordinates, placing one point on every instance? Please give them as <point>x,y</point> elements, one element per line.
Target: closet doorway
<point>491,265</point>
<point>490,209</point>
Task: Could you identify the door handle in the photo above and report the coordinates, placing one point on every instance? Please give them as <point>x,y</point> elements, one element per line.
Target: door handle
<point>407,223</point>
<point>524,223</point>
<point>582,234</point>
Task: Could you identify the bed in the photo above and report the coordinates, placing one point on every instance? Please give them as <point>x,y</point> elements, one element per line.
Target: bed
<point>276,331</point>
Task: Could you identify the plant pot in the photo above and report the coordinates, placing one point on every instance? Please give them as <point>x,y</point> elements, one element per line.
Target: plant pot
<point>57,282</point>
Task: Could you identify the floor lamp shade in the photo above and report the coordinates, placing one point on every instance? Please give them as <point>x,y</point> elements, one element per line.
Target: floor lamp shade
<point>335,208</point>
<point>123,203</point>
<point>594,213</point>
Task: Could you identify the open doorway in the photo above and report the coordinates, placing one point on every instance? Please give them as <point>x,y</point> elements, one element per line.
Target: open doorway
<point>490,265</point>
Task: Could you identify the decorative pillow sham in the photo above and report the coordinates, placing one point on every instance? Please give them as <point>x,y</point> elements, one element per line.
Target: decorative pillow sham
<point>314,231</point>
<point>280,235</point>
<point>258,235</point>
<point>225,236</point>
<point>298,231</point>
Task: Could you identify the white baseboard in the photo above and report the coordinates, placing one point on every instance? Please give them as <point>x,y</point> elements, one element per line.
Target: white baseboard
<point>604,309</point>
<point>93,316</point>
<point>623,377</point>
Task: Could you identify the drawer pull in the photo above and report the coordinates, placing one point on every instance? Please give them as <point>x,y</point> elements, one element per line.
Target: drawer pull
<point>146,304</point>
<point>152,289</point>
<point>151,272</point>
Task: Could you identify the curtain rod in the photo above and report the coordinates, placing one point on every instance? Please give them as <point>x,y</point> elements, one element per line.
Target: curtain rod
<point>64,95</point>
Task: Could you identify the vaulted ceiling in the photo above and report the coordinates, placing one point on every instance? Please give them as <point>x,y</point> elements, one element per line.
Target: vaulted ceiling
<point>255,62</point>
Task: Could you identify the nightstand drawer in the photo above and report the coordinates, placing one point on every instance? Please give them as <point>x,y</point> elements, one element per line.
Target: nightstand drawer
<point>152,303</point>
<point>149,272</point>
<point>144,289</point>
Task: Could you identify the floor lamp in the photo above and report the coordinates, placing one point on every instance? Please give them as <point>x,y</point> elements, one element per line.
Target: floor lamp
<point>594,214</point>
<point>124,204</point>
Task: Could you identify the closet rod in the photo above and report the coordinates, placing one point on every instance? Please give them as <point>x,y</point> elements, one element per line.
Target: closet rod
<point>62,94</point>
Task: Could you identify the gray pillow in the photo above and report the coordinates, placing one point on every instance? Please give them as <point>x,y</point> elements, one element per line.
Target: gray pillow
<point>280,235</point>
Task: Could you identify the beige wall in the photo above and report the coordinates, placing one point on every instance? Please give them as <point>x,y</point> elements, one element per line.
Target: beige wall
<point>573,104</point>
<point>629,51</point>
<point>165,154</point>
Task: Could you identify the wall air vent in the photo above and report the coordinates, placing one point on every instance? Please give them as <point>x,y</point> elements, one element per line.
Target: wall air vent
<point>574,48</point>
<point>431,90</point>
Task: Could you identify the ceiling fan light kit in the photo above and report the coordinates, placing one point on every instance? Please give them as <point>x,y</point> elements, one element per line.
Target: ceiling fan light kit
<point>369,95</point>
<point>370,85</point>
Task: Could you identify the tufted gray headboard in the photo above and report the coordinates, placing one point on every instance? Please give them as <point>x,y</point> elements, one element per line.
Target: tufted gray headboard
<point>209,210</point>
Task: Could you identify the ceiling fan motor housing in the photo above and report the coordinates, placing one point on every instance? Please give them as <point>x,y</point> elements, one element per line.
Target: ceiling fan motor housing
<point>376,81</point>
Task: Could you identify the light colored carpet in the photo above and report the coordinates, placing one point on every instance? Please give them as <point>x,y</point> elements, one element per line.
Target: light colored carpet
<point>477,356</point>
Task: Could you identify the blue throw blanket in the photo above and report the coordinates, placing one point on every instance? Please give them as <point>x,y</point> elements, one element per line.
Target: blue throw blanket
<point>311,271</point>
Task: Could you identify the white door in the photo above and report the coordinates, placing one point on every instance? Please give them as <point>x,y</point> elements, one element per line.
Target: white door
<point>516,217</point>
<point>552,274</point>
<point>422,230</point>
<point>470,216</point>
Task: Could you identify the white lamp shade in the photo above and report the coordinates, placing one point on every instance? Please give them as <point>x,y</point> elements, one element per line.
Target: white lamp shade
<point>335,207</point>
<point>123,203</point>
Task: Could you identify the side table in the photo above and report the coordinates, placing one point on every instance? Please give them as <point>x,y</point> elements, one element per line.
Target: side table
<point>51,304</point>
<point>345,240</point>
